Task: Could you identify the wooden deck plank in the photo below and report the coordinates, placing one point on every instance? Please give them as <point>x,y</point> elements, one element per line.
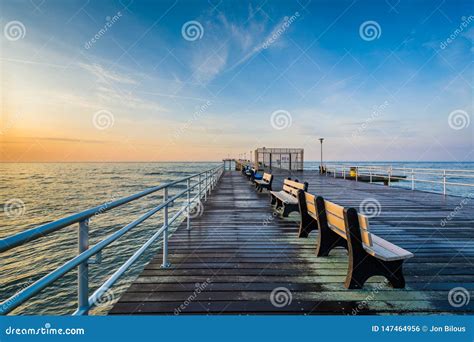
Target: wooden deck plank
<point>238,252</point>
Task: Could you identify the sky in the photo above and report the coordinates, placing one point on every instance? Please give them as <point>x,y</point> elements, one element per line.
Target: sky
<point>136,80</point>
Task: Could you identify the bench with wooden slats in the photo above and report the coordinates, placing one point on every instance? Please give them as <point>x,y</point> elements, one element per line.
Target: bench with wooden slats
<point>369,254</point>
<point>287,198</point>
<point>264,183</point>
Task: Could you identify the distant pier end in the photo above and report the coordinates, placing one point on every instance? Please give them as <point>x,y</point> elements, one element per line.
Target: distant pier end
<point>264,157</point>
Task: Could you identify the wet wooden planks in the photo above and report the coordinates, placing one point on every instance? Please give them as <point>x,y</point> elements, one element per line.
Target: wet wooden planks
<point>238,252</point>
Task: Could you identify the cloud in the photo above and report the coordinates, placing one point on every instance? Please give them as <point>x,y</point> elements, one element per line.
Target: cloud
<point>105,76</point>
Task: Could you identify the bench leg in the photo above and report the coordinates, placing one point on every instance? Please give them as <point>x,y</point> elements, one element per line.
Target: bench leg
<point>306,228</point>
<point>272,200</point>
<point>370,266</point>
<point>328,240</point>
<point>289,208</point>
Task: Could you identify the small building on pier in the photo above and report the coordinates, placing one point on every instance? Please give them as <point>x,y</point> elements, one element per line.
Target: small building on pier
<point>283,158</point>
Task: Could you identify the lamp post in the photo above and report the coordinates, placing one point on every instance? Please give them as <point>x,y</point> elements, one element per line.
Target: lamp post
<point>321,167</point>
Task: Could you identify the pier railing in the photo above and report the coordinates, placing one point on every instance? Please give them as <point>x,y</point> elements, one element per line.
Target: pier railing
<point>443,177</point>
<point>204,182</point>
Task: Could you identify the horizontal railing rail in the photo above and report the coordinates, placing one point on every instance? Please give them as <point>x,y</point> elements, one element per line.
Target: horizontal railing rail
<point>204,182</point>
<point>391,174</point>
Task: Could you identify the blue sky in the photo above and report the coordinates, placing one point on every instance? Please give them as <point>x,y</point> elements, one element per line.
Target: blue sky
<point>171,98</point>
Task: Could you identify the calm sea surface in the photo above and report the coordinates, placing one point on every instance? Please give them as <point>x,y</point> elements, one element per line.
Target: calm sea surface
<point>50,191</point>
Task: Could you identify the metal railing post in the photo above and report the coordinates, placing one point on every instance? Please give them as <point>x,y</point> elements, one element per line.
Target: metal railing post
<point>205,186</point>
<point>83,270</point>
<point>389,176</point>
<point>199,187</point>
<point>344,172</point>
<point>165,263</point>
<point>357,173</point>
<point>370,174</point>
<point>444,182</point>
<point>188,223</point>
<point>412,179</point>
<point>335,170</point>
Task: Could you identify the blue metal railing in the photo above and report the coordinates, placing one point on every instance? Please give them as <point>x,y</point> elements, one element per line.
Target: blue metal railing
<point>205,183</point>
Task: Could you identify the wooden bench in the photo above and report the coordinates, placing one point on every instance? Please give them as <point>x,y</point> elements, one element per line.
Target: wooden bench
<point>369,255</point>
<point>288,196</point>
<point>264,183</point>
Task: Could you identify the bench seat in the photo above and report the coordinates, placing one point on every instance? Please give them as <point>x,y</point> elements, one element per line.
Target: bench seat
<point>284,197</point>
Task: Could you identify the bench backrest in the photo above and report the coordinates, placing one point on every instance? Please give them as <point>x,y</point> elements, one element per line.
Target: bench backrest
<point>291,187</point>
<point>310,204</point>
<point>335,218</point>
<point>267,177</point>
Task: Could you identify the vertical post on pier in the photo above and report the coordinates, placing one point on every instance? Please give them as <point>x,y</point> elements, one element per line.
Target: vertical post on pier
<point>188,223</point>
<point>444,182</point>
<point>83,271</point>
<point>389,176</point>
<point>199,188</point>
<point>344,172</point>
<point>165,263</point>
<point>370,174</point>
<point>357,173</point>
<point>205,186</point>
<point>412,179</point>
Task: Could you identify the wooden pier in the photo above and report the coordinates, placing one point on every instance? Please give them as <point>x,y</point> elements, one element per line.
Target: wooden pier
<point>239,251</point>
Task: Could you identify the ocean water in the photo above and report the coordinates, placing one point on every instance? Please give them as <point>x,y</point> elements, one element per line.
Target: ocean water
<point>50,191</point>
